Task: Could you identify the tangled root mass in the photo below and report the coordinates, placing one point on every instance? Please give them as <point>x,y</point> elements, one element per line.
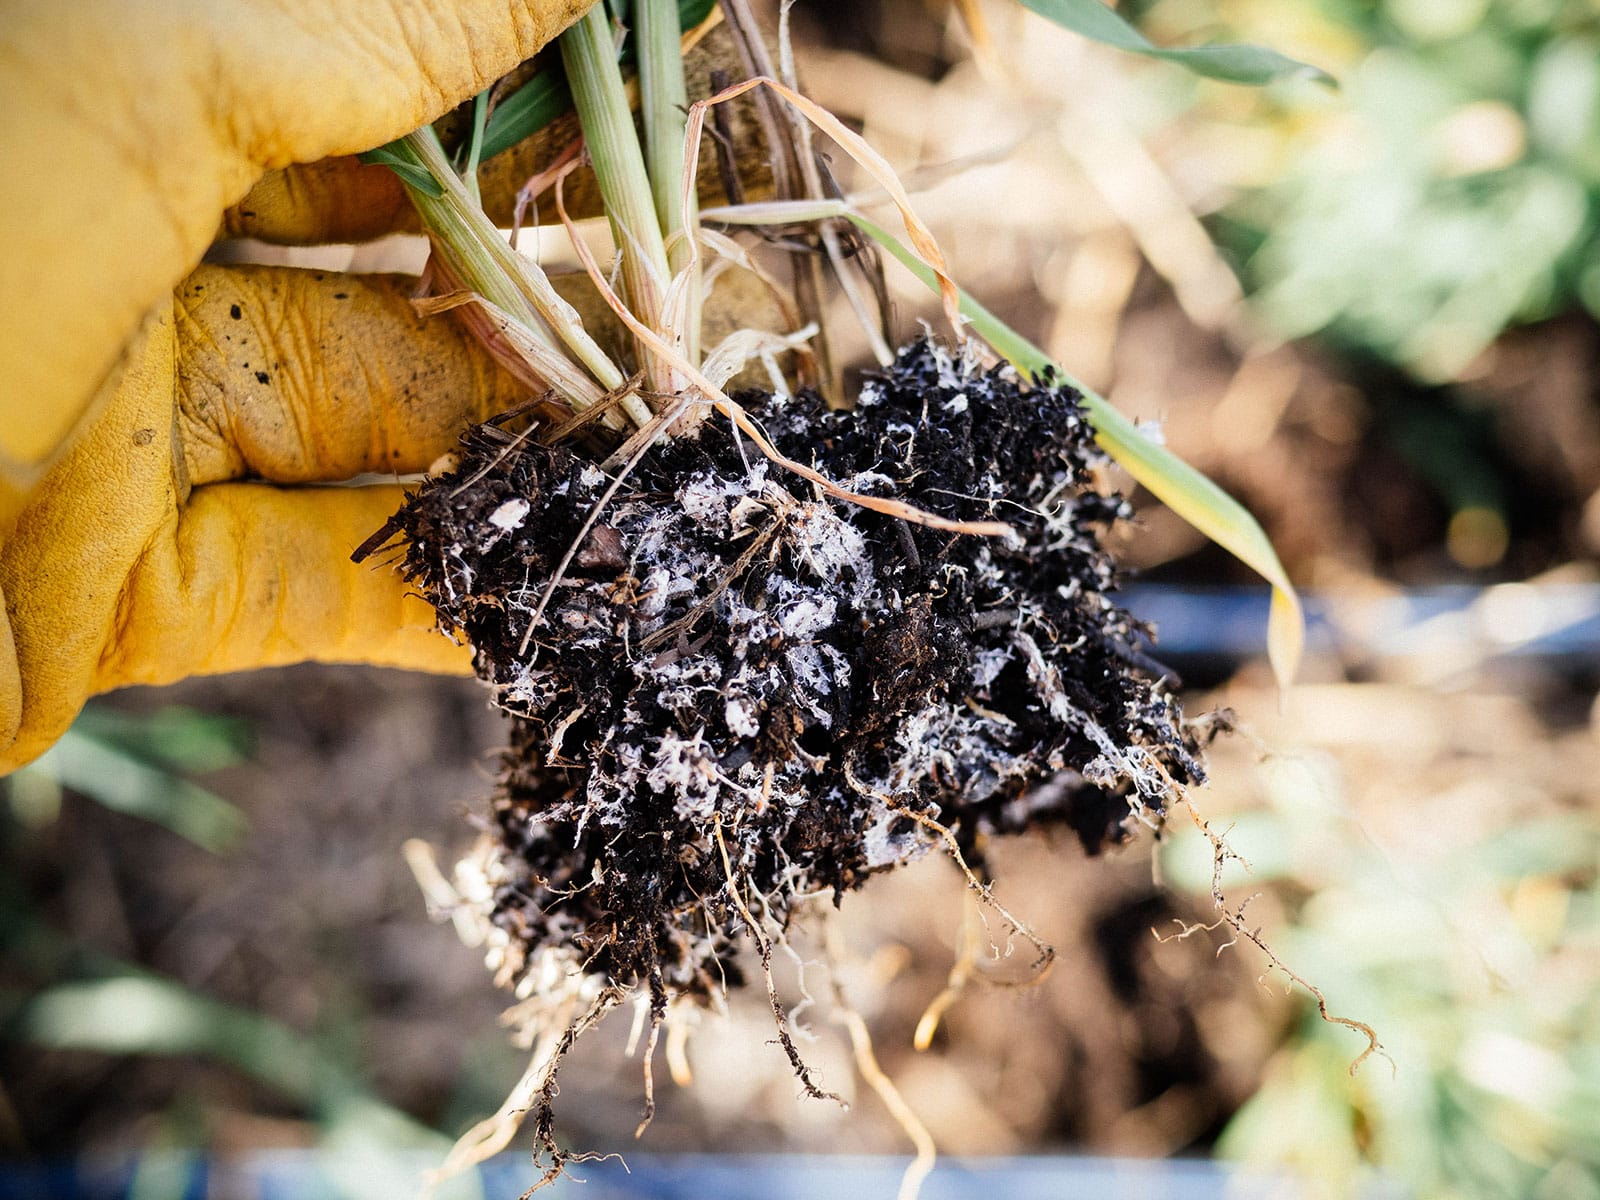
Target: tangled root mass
<point>733,663</point>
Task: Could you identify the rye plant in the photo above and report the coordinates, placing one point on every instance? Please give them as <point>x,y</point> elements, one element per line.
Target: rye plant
<point>765,664</point>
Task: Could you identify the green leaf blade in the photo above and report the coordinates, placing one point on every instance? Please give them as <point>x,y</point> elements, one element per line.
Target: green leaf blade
<point>1200,502</point>
<point>526,111</point>
<point>410,173</point>
<point>1250,65</point>
<point>123,782</point>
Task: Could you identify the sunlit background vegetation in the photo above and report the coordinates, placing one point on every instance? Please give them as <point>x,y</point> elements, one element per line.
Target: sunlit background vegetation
<point>1373,313</point>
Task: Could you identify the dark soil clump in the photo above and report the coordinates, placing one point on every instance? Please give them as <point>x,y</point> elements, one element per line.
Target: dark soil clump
<point>739,693</point>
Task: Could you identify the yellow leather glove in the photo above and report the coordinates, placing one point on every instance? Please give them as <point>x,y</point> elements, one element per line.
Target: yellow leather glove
<point>160,429</point>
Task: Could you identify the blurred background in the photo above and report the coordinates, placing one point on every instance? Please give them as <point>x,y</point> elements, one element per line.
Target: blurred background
<point>1370,314</point>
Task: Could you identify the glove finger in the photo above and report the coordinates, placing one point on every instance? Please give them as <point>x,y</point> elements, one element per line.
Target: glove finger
<point>301,376</point>
<point>67,553</point>
<point>104,550</point>
<point>133,127</point>
<point>344,200</point>
<point>297,376</point>
<point>251,576</point>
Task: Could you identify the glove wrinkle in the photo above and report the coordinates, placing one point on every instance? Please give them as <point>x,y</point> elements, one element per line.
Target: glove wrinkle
<point>322,377</point>
<point>10,686</point>
<point>255,576</point>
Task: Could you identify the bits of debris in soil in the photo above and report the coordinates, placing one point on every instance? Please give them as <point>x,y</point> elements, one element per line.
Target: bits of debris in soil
<point>731,658</point>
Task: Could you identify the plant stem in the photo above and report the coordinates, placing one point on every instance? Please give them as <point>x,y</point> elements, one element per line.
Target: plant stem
<point>664,102</point>
<point>602,104</point>
<point>453,221</point>
<point>486,263</point>
<point>480,118</point>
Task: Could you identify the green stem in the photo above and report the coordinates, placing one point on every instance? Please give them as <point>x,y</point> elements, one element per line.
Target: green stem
<point>480,120</point>
<point>452,219</point>
<point>608,130</point>
<point>664,103</point>
<point>487,264</point>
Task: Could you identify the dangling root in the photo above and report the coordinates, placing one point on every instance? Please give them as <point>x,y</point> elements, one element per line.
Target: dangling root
<point>1046,952</point>
<point>658,1014</point>
<point>533,1092</point>
<point>1233,918</point>
<point>764,951</point>
<point>544,1102</point>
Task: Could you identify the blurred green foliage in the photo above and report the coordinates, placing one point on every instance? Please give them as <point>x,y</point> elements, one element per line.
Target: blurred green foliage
<point>65,994</point>
<point>1478,966</point>
<point>1452,192</point>
<point>1251,65</point>
<point>138,766</point>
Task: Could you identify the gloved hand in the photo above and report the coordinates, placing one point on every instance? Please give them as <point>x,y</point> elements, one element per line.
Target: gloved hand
<point>161,430</point>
